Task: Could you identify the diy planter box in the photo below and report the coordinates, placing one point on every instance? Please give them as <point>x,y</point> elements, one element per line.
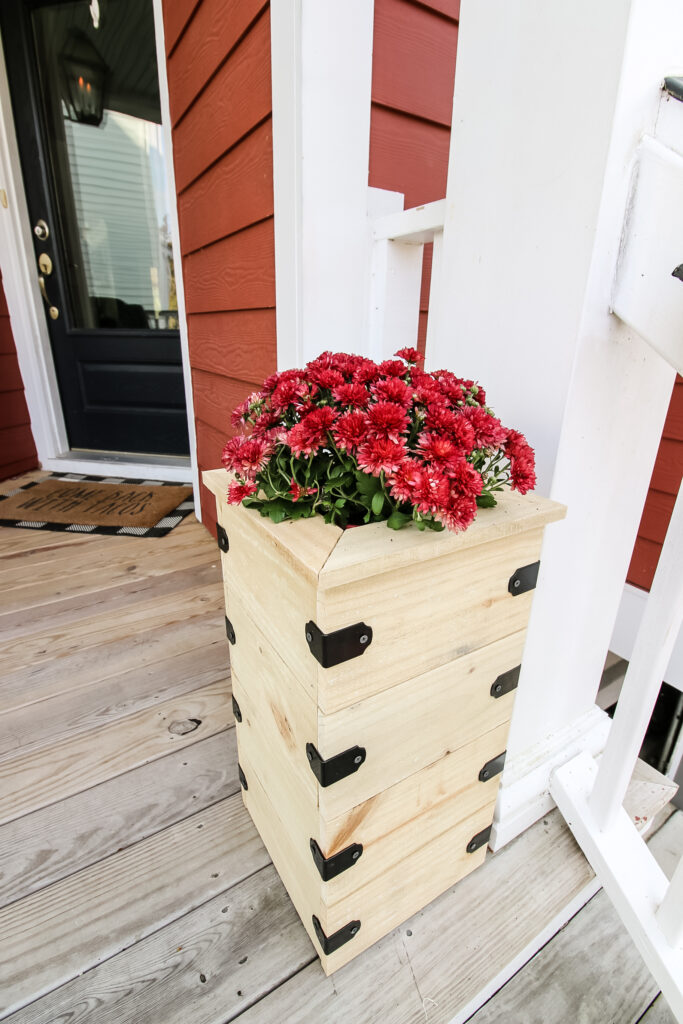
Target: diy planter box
<point>373,676</point>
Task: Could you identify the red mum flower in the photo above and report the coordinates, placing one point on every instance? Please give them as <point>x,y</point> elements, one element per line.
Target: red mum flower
<point>440,449</point>
<point>287,392</point>
<point>406,480</point>
<point>488,430</point>
<point>457,427</point>
<point>246,455</point>
<point>300,492</point>
<point>237,492</point>
<point>242,411</point>
<point>381,454</point>
<point>305,438</point>
<point>459,513</point>
<point>392,368</point>
<point>392,389</point>
<point>350,430</point>
<point>465,479</point>
<point>432,493</point>
<point>365,371</point>
<point>387,419</point>
<point>325,378</point>
<point>411,355</point>
<point>351,394</point>
<point>522,462</point>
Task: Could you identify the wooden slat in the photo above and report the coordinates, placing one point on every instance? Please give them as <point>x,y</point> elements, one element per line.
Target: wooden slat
<point>668,469</point>
<point>216,396</point>
<point>41,848</point>
<point>128,622</point>
<point>54,935</point>
<point>204,45</point>
<point>34,780</point>
<point>10,375</point>
<point>658,1013</point>
<point>69,575</point>
<point>236,273</point>
<point>103,702</point>
<point>656,516</point>
<point>242,943</point>
<point>603,976</point>
<point>451,8</point>
<point>7,345</point>
<point>643,563</point>
<point>240,344</point>
<point>9,469</point>
<point>408,155</point>
<point>14,409</point>
<point>177,13</point>
<point>71,609</point>
<point>18,441</point>
<point>413,64</point>
<point>244,180</point>
<point>127,657</point>
<point>236,99</point>
<point>673,425</point>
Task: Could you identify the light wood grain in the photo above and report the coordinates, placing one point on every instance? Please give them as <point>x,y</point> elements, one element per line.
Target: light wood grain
<point>50,937</point>
<point>34,780</point>
<point>425,615</point>
<point>603,976</point>
<point>135,652</point>
<point>41,848</point>
<point>106,701</point>
<point>238,942</point>
<point>106,601</point>
<point>128,622</point>
<point>658,1013</point>
<point>407,727</point>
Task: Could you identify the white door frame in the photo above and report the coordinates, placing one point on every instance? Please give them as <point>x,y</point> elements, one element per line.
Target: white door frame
<point>29,327</point>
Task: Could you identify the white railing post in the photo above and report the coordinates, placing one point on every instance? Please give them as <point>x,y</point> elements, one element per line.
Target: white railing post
<point>322,75</point>
<point>655,641</point>
<point>670,913</point>
<point>539,178</point>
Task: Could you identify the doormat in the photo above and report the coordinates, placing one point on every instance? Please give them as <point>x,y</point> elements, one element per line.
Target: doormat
<point>74,503</point>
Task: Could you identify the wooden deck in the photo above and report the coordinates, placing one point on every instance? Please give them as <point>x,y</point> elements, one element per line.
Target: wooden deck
<point>133,886</point>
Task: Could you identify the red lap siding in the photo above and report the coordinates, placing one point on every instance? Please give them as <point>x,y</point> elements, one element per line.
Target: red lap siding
<point>666,480</point>
<point>17,448</point>
<point>220,98</point>
<point>412,95</point>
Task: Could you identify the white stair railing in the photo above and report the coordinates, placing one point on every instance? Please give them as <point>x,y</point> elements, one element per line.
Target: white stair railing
<point>649,298</point>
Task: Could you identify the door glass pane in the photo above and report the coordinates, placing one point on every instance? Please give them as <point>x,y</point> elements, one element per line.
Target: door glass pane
<point>100,98</point>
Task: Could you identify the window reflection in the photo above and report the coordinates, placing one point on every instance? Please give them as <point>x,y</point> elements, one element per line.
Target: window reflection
<point>109,163</point>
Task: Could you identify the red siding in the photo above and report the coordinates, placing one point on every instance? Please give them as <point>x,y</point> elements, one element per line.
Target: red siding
<point>17,449</point>
<point>220,98</point>
<point>412,95</point>
<point>666,479</point>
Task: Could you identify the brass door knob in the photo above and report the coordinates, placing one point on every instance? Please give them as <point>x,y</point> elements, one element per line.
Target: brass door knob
<point>52,310</point>
<point>41,230</point>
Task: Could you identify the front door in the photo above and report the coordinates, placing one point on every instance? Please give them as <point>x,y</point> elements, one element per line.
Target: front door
<point>85,94</point>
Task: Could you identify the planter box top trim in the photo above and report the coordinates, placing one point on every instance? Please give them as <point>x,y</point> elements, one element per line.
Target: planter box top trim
<point>333,557</point>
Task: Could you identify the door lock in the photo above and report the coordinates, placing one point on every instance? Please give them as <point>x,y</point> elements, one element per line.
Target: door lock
<point>45,264</point>
<point>52,310</point>
<point>41,230</point>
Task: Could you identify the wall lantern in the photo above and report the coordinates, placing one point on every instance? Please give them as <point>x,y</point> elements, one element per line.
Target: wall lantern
<point>85,75</point>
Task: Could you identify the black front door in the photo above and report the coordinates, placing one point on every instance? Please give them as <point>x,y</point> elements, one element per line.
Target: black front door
<point>85,94</point>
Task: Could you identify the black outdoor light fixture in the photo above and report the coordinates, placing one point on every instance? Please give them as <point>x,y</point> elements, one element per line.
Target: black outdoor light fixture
<point>85,75</point>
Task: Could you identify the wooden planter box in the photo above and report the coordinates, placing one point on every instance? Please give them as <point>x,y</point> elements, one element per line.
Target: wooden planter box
<point>373,676</point>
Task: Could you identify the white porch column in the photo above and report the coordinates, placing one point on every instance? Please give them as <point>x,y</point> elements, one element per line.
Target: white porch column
<point>550,101</point>
<point>322,73</point>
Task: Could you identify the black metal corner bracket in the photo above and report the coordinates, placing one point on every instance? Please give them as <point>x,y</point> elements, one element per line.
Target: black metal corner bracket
<point>481,839</point>
<point>506,682</point>
<point>678,272</point>
<point>222,538</point>
<point>674,86</point>
<point>334,768</point>
<point>229,631</point>
<point>341,645</point>
<point>330,867</point>
<point>330,943</point>
<point>243,779</point>
<point>492,767</point>
<point>524,579</point>
<point>236,710</point>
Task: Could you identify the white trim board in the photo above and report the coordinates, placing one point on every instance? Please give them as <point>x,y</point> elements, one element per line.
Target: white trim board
<point>29,328</point>
<point>630,613</point>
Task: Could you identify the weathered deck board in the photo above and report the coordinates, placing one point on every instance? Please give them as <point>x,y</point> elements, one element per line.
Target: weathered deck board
<point>26,622</point>
<point>239,942</point>
<point>138,652</point>
<point>128,622</point>
<point>55,934</point>
<point>46,846</point>
<point>34,780</point>
<point>591,970</point>
<point>659,1013</point>
<point>105,701</point>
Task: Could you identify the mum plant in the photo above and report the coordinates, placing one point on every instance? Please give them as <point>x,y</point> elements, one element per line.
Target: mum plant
<point>359,442</point>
